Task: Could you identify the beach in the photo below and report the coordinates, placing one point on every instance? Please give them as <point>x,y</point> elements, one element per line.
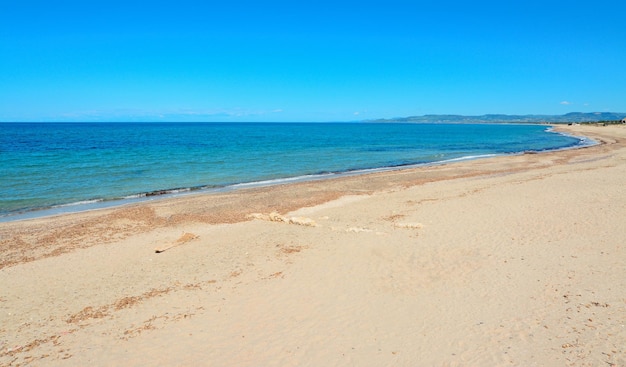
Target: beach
<point>505,261</point>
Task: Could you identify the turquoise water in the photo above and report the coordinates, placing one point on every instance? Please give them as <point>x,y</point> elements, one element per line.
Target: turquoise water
<point>56,165</point>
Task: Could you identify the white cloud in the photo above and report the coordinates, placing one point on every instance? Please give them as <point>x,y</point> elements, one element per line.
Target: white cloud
<point>357,113</point>
<point>566,103</point>
<point>173,114</point>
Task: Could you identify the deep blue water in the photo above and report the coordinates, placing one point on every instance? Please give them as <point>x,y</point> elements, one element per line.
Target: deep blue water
<point>44,165</point>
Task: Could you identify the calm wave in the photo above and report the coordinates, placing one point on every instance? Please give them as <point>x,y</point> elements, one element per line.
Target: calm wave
<point>52,165</point>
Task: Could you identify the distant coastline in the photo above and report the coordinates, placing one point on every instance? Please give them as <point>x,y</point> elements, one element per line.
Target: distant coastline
<point>572,117</point>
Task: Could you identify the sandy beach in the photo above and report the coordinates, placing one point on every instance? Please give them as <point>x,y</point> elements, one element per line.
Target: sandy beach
<point>507,261</point>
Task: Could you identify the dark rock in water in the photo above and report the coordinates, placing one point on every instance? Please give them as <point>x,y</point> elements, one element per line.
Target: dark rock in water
<point>157,193</point>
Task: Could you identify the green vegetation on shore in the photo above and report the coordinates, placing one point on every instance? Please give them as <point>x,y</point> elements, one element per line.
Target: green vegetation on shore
<point>572,117</point>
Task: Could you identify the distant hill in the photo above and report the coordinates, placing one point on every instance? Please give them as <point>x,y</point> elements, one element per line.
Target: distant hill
<point>494,118</point>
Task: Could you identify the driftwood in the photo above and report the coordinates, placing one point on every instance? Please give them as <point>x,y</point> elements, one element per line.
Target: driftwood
<point>186,237</point>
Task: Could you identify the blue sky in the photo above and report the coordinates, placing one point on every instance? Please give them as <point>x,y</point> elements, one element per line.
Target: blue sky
<point>307,60</point>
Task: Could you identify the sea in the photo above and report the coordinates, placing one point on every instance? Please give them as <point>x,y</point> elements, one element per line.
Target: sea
<point>51,168</point>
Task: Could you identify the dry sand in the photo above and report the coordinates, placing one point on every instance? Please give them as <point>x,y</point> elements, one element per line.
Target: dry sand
<point>517,260</point>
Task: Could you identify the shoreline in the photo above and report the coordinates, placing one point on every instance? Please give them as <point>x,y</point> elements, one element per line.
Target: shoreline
<point>510,260</point>
<point>224,207</point>
<point>113,203</point>
<point>172,193</point>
